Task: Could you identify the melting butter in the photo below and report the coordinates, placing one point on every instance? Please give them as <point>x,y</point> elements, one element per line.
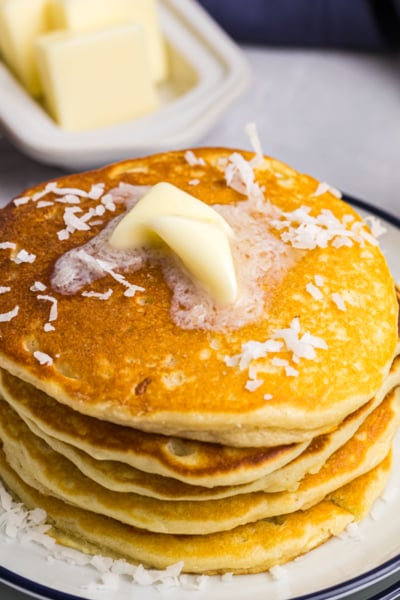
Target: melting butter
<point>194,231</point>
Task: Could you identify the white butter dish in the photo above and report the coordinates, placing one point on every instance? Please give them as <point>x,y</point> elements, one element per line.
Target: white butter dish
<point>207,71</point>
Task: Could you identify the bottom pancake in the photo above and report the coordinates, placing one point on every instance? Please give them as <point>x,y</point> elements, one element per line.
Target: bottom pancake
<point>249,548</point>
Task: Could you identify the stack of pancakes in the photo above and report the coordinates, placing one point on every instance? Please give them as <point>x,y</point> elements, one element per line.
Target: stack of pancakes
<point>157,441</point>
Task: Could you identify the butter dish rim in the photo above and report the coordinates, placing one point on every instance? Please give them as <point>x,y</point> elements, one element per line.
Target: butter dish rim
<point>222,74</point>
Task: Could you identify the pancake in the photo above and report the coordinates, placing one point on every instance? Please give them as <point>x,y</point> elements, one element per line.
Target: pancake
<point>188,461</point>
<point>103,359</point>
<point>155,423</point>
<point>51,473</point>
<point>39,413</point>
<point>247,549</point>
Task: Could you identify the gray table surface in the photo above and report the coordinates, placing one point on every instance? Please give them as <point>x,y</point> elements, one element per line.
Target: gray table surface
<point>335,115</point>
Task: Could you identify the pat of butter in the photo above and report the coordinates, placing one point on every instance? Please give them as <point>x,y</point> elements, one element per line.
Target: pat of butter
<point>197,233</point>
<point>20,23</point>
<point>97,78</point>
<point>77,16</point>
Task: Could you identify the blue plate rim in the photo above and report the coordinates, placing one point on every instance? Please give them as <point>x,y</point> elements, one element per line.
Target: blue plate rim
<point>340,590</point>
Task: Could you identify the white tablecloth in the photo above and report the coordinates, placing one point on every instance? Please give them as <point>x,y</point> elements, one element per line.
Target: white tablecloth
<point>335,115</point>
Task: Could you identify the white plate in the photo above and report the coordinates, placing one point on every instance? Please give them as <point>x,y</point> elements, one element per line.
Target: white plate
<point>207,72</point>
<point>343,567</point>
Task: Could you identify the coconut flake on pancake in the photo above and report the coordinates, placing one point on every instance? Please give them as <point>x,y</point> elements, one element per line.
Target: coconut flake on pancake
<point>9,315</point>
<point>324,187</point>
<point>194,160</point>
<point>23,256</point>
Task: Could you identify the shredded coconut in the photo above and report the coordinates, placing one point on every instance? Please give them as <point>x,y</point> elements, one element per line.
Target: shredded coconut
<point>319,280</point>
<point>19,523</point>
<point>253,384</point>
<point>291,371</point>
<point>339,301</point>
<point>38,286</point>
<point>72,221</point>
<point>314,291</point>
<point>194,160</point>
<point>194,583</point>
<point>353,531</point>
<point>194,182</point>
<point>69,191</point>
<point>251,131</point>
<point>375,225</point>
<point>44,203</point>
<point>84,221</point>
<point>239,175</point>
<point>252,351</point>
<point>378,510</point>
<point>131,287</point>
<point>324,187</point>
<point>277,572</point>
<point>43,358</point>
<point>4,289</point>
<point>390,492</point>
<point>100,295</point>
<point>96,191</point>
<point>100,210</point>
<point>304,231</point>
<point>24,257</point>
<point>63,235</point>
<point>49,187</point>
<point>279,362</point>
<point>7,246</point>
<point>289,339</point>
<point>301,347</point>
<point>69,199</point>
<point>22,200</point>
<point>8,316</point>
<point>108,202</point>
<point>267,396</point>
<point>53,309</point>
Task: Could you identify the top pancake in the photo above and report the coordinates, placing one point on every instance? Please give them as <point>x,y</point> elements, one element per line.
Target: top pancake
<point>126,361</point>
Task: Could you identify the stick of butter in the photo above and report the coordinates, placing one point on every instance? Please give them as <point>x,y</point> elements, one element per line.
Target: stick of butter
<point>97,78</point>
<point>78,16</point>
<point>21,21</point>
<point>197,233</point>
